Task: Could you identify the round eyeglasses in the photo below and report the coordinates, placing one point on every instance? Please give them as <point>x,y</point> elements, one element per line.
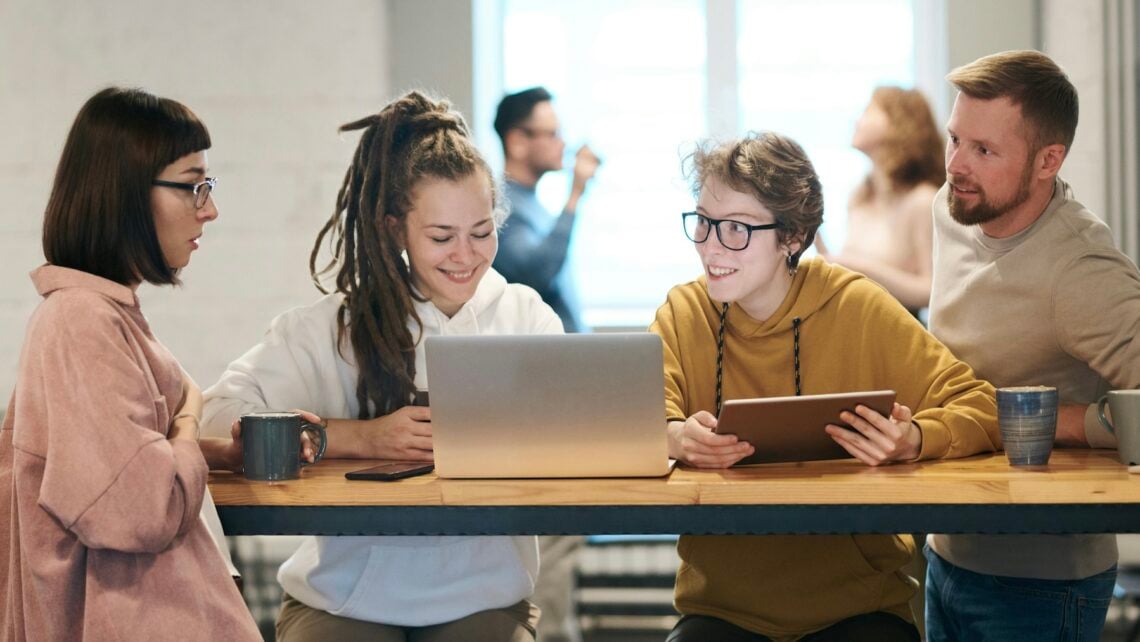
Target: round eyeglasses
<point>200,190</point>
<point>733,235</point>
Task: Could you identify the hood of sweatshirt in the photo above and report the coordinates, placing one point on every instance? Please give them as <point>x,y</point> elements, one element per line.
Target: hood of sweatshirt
<point>816,282</point>
<point>467,319</point>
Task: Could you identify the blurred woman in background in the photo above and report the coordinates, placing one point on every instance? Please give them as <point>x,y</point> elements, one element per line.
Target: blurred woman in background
<point>889,234</point>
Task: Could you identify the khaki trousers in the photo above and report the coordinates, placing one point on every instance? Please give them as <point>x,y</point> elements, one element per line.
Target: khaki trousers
<point>554,593</point>
<point>300,623</point>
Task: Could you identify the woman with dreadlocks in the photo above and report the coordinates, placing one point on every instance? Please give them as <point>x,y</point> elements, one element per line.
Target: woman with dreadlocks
<point>759,323</point>
<point>412,237</point>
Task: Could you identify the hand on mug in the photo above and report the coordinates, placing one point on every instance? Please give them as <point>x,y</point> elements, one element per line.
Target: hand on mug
<point>308,449</point>
<point>233,455</point>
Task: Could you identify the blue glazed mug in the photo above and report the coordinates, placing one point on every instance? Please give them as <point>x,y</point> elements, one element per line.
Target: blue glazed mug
<point>271,445</point>
<point>1027,418</point>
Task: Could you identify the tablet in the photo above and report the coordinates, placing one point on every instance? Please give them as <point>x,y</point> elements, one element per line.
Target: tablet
<point>791,428</point>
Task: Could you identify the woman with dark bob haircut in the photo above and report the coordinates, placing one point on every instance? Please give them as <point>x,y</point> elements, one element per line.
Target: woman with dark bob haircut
<point>759,322</point>
<point>102,478</point>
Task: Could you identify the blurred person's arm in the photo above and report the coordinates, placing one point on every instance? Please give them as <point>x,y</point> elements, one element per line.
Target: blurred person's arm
<point>821,247</point>
<point>911,288</point>
<point>585,166</point>
<point>526,256</point>
<point>529,258</point>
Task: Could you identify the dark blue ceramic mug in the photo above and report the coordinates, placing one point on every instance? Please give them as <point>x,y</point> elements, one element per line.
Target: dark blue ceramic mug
<point>271,444</point>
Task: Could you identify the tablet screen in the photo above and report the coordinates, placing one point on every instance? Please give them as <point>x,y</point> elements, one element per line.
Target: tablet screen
<point>783,429</point>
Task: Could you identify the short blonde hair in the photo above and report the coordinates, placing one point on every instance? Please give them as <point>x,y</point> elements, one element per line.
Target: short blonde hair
<point>774,169</point>
<point>1031,80</point>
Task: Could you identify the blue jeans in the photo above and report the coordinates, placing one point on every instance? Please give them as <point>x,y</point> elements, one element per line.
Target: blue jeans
<point>963,605</point>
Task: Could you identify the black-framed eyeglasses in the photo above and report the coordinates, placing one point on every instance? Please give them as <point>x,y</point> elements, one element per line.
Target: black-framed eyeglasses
<point>733,235</point>
<point>533,132</point>
<point>200,190</point>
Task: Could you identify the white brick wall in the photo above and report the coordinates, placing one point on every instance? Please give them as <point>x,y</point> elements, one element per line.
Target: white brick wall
<point>271,80</point>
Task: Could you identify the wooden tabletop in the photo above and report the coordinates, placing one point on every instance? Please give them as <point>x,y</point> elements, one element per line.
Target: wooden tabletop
<point>1078,491</point>
<point>1072,476</point>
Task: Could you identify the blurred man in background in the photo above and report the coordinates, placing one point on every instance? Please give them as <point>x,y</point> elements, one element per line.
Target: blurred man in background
<point>533,244</point>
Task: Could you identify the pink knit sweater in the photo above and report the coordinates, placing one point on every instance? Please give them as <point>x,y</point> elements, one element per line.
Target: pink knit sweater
<point>100,537</point>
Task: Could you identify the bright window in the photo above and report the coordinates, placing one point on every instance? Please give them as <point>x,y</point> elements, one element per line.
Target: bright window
<point>813,82</point>
<point>630,77</point>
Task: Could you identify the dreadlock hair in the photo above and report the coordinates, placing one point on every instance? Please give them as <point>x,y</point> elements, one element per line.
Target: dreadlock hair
<point>413,138</point>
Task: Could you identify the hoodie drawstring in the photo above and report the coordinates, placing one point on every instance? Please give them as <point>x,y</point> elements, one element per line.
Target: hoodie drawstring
<point>720,354</point>
<point>796,351</point>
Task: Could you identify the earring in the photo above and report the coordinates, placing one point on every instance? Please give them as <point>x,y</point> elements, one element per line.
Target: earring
<point>792,266</point>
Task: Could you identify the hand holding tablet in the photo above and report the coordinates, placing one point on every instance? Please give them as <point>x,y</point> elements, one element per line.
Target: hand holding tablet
<point>786,429</point>
<point>874,438</point>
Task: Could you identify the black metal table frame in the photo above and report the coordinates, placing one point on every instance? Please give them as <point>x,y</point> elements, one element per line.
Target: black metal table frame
<point>696,520</point>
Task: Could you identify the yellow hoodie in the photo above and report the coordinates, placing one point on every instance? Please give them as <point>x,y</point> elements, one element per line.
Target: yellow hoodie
<point>852,336</point>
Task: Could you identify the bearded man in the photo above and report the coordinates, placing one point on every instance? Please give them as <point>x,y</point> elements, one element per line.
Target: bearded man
<point>1029,289</point>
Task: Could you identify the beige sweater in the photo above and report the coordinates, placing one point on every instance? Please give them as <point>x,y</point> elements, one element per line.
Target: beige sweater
<point>1056,304</point>
<point>100,537</point>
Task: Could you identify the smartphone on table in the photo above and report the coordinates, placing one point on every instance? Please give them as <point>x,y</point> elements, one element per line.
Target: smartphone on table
<point>392,470</point>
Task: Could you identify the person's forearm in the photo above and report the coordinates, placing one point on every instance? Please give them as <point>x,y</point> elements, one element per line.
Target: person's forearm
<point>1071,426</point>
<point>343,439</point>
<point>219,453</point>
<point>913,439</point>
<point>191,401</point>
<point>184,426</point>
<point>912,290</point>
<point>675,430</point>
<point>347,439</point>
<point>572,202</point>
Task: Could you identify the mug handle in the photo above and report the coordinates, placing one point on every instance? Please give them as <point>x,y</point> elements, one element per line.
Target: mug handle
<point>319,429</point>
<point>1100,413</point>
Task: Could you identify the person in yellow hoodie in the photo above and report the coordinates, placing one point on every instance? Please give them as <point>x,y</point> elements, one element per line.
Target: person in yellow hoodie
<point>759,323</point>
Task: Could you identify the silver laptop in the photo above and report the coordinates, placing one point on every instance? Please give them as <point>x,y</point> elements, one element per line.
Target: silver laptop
<point>577,405</point>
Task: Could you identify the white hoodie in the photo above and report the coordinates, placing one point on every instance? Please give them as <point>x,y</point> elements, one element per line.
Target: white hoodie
<point>403,581</point>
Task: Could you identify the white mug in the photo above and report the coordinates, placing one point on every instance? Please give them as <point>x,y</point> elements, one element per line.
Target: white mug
<point>1125,424</point>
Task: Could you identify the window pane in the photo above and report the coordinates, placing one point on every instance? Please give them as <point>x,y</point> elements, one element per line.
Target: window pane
<point>628,77</point>
<point>807,69</point>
